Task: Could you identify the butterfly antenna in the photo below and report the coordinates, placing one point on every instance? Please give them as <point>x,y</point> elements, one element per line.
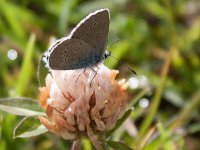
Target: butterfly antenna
<point>125,64</point>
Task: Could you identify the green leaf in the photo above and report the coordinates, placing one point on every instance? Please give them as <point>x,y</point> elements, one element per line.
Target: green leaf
<point>39,130</point>
<point>13,22</point>
<point>118,145</point>
<point>21,106</point>
<point>25,72</point>
<point>29,127</point>
<point>64,16</point>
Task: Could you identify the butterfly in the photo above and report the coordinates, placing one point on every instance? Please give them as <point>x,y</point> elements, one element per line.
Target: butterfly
<point>84,46</point>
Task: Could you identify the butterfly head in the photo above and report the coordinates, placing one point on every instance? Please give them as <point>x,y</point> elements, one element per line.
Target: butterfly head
<point>107,54</point>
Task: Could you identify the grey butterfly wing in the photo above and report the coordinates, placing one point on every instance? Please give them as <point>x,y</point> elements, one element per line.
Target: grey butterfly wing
<point>71,54</point>
<point>94,30</point>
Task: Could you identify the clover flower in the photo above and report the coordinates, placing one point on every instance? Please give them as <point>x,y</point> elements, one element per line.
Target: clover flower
<point>78,106</point>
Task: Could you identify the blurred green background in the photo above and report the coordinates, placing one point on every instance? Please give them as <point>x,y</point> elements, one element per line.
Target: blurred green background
<point>160,39</point>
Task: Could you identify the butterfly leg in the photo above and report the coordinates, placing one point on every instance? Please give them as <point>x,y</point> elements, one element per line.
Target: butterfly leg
<point>94,75</point>
<point>80,75</point>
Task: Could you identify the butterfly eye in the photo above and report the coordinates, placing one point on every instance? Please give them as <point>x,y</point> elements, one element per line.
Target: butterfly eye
<point>90,27</point>
<point>81,43</point>
<point>87,33</point>
<point>95,24</point>
<point>67,47</point>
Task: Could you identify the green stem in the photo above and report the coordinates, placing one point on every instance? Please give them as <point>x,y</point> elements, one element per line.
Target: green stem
<point>138,97</point>
<point>156,99</point>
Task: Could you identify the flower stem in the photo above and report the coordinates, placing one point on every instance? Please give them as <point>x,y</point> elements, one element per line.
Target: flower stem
<point>76,145</point>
